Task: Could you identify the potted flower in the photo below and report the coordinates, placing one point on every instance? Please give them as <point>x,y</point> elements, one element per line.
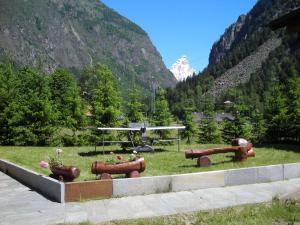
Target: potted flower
<point>117,165</point>
<point>60,171</point>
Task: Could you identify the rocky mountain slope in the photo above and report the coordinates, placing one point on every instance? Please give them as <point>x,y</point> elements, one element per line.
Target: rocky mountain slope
<point>241,73</point>
<point>249,31</point>
<point>182,68</point>
<point>72,33</point>
<point>247,57</point>
<point>246,45</point>
<point>220,48</point>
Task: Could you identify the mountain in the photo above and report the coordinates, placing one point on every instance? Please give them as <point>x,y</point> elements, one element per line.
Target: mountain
<point>220,48</point>
<point>246,45</point>
<point>247,59</point>
<point>72,33</point>
<point>182,69</point>
<point>241,73</point>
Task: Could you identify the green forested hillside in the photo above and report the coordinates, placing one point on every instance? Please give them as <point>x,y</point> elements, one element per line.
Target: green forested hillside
<point>71,34</point>
<point>275,81</point>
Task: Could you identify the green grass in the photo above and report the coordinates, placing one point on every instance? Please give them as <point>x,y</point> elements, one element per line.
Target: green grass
<point>165,161</point>
<point>259,214</point>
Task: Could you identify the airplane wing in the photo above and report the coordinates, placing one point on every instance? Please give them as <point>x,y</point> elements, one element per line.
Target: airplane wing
<point>166,128</point>
<point>119,128</point>
<point>141,128</point>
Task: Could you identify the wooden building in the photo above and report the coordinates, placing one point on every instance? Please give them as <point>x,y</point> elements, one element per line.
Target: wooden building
<point>290,20</point>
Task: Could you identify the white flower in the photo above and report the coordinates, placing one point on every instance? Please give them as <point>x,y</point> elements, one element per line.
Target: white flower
<point>58,151</point>
<point>134,152</point>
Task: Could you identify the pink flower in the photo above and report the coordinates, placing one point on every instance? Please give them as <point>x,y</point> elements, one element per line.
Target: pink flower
<point>44,164</point>
<point>119,157</point>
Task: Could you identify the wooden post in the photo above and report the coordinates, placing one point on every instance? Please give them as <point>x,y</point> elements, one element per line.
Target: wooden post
<point>102,142</point>
<point>178,140</point>
<point>131,138</point>
<point>95,141</point>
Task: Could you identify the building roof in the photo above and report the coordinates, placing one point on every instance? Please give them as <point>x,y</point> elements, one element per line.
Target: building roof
<point>290,20</point>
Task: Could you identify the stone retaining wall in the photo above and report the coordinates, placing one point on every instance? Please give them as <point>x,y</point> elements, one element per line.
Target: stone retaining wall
<point>45,185</point>
<point>61,192</point>
<point>194,181</point>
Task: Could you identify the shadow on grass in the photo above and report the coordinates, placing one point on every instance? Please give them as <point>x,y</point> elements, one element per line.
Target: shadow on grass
<point>224,162</point>
<point>285,147</point>
<point>213,163</point>
<point>189,166</point>
<point>100,152</point>
<point>118,151</point>
<point>160,150</point>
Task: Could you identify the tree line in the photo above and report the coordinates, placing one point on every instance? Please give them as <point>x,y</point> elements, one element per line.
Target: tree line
<point>56,109</point>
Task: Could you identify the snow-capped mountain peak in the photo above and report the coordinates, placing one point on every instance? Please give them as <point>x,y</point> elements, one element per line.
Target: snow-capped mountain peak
<point>182,68</point>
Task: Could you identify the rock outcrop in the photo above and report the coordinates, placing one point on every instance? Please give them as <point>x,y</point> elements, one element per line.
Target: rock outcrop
<point>221,47</point>
<point>241,73</point>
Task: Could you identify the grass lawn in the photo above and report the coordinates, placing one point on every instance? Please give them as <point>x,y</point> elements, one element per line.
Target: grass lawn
<point>165,161</point>
<point>260,214</point>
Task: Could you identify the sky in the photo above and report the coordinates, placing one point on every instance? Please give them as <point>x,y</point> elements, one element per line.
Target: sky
<point>178,27</point>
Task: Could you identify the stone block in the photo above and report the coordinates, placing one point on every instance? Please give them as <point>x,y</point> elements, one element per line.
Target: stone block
<point>77,191</point>
<point>291,171</point>
<point>193,181</point>
<point>240,176</point>
<point>141,186</point>
<point>271,173</point>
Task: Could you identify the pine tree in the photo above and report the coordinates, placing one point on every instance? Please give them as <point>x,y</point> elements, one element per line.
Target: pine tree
<point>240,127</point>
<point>9,87</point>
<point>134,106</point>
<point>294,107</point>
<point>259,126</point>
<point>106,99</point>
<point>162,115</point>
<point>67,101</point>
<point>30,116</point>
<point>89,80</point>
<point>209,131</point>
<point>190,126</point>
<point>276,114</point>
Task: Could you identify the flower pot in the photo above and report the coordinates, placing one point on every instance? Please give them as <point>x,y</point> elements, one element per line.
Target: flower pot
<point>131,168</point>
<point>65,173</point>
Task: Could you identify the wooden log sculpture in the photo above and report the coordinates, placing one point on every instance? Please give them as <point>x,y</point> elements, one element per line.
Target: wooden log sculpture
<point>132,169</point>
<point>241,148</point>
<point>65,173</point>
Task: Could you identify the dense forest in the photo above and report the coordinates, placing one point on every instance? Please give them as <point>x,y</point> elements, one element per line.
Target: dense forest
<point>58,109</point>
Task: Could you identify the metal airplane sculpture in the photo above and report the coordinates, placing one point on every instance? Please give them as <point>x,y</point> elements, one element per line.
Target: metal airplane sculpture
<point>142,130</point>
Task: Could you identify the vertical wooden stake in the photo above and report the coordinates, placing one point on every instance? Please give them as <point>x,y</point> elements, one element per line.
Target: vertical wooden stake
<point>103,143</point>
<point>178,141</point>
